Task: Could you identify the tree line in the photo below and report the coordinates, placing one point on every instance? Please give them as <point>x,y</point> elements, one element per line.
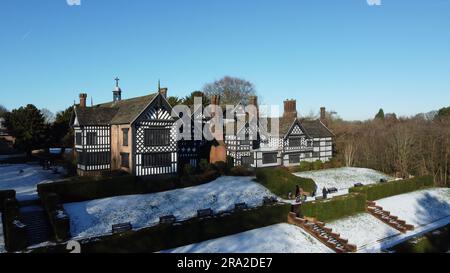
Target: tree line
<point>401,146</point>
<point>34,129</point>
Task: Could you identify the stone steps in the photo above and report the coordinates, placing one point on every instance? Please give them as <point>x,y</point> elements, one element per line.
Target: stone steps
<point>323,234</point>
<point>388,218</point>
<point>38,225</point>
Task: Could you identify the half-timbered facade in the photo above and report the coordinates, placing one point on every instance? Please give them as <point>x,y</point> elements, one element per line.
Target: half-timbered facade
<point>296,140</point>
<point>135,135</point>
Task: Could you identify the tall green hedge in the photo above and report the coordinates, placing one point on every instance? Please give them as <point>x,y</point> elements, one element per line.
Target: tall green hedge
<point>87,188</point>
<point>166,236</point>
<point>4,195</point>
<point>383,190</point>
<point>280,181</point>
<point>335,208</point>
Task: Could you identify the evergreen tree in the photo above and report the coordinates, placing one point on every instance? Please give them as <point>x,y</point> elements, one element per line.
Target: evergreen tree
<point>443,113</point>
<point>62,134</point>
<point>27,125</point>
<point>174,101</point>
<point>3,111</point>
<point>380,115</point>
<point>189,100</point>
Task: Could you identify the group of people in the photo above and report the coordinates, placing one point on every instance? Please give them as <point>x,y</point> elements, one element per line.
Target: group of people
<point>301,196</point>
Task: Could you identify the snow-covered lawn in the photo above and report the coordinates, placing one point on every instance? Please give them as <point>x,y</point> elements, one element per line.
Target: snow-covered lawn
<point>2,239</point>
<point>343,178</point>
<point>427,210</point>
<point>281,238</point>
<point>421,207</point>
<point>362,229</point>
<point>92,218</point>
<point>23,178</point>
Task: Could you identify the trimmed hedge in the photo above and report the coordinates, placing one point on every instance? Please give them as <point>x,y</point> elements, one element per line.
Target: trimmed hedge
<point>59,220</point>
<point>280,181</point>
<point>4,195</point>
<point>383,190</point>
<point>167,236</point>
<point>79,189</point>
<point>14,232</point>
<point>335,208</point>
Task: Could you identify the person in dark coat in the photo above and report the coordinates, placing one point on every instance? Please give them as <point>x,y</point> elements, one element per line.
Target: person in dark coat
<point>325,193</point>
<point>297,191</point>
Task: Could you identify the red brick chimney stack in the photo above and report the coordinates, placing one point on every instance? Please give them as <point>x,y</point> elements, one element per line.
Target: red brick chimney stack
<point>290,109</point>
<point>83,97</point>
<point>323,112</point>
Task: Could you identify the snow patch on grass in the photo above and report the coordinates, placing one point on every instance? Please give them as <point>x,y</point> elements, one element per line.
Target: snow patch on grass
<point>23,178</point>
<point>362,229</point>
<point>280,238</point>
<point>343,178</point>
<point>421,207</point>
<point>93,218</point>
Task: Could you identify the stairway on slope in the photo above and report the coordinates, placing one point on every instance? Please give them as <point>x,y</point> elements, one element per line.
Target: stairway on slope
<point>38,225</point>
<point>387,218</point>
<point>323,234</point>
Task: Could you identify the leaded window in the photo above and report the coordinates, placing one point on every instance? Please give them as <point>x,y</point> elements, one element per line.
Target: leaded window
<point>156,137</point>
<point>270,158</point>
<point>91,138</point>
<point>156,160</point>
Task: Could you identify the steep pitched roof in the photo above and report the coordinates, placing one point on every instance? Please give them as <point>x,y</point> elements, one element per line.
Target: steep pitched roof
<point>315,128</point>
<point>284,123</point>
<point>120,112</point>
<point>128,110</point>
<point>94,116</point>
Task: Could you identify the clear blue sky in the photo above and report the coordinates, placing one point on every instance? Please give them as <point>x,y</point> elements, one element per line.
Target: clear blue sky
<point>346,55</point>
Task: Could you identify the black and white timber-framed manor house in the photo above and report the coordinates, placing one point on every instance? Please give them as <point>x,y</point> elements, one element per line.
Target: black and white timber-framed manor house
<point>140,136</point>
<point>135,135</point>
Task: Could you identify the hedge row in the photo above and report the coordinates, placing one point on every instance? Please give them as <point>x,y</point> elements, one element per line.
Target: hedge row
<point>167,236</point>
<point>281,182</point>
<point>59,219</point>
<point>335,208</point>
<point>14,232</point>
<point>79,189</point>
<point>4,195</point>
<point>383,190</point>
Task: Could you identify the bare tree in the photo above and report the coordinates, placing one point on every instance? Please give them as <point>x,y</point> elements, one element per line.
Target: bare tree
<point>231,90</point>
<point>48,115</point>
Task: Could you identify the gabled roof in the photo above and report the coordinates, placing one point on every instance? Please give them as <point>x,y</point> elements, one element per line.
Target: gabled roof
<point>316,129</point>
<point>128,110</point>
<point>119,112</point>
<point>94,116</point>
<point>312,128</point>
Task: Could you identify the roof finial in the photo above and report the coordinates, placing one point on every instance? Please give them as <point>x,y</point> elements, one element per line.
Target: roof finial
<point>117,81</point>
<point>159,84</point>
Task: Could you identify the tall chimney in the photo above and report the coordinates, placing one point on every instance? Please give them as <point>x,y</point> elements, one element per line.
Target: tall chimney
<point>290,109</point>
<point>323,115</point>
<point>163,92</point>
<point>215,100</point>
<point>83,97</point>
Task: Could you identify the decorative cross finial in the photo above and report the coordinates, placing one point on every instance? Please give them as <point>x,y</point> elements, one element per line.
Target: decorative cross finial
<point>117,81</point>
